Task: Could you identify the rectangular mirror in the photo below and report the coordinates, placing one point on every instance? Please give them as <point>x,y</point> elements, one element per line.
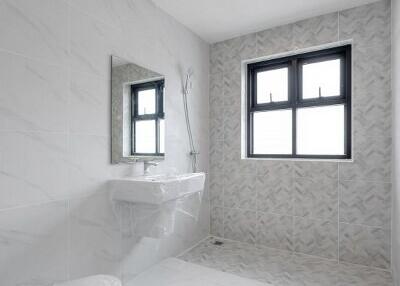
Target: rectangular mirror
<point>137,113</point>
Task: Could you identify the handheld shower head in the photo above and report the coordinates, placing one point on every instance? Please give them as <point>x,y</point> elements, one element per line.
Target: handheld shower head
<point>188,83</point>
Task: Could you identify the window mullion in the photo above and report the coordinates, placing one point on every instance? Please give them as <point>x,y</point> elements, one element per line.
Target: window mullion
<point>294,99</point>
<point>134,114</point>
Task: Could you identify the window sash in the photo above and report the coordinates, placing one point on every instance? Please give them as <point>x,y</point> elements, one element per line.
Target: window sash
<point>295,100</point>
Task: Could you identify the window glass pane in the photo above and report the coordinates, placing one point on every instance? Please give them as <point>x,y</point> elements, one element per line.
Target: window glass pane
<point>272,132</point>
<point>320,130</point>
<point>147,101</point>
<point>162,133</point>
<point>272,85</point>
<point>321,78</point>
<point>145,136</point>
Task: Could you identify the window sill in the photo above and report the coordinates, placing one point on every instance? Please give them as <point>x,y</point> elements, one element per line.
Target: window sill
<point>300,159</point>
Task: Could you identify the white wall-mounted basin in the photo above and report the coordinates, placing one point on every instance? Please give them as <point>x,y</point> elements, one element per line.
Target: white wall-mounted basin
<point>157,189</point>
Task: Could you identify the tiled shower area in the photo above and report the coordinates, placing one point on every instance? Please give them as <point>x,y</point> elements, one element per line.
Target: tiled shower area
<point>279,267</point>
<point>310,215</point>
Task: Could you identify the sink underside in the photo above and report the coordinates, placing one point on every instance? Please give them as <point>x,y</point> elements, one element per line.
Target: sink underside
<point>157,189</point>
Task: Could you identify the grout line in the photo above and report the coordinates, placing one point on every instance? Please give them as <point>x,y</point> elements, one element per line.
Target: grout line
<point>34,204</point>
<point>338,26</point>
<point>366,225</point>
<point>303,254</point>
<point>58,200</point>
<point>62,67</point>
<point>223,151</point>
<point>194,246</point>
<point>304,217</point>
<point>69,235</point>
<point>34,132</point>
<point>293,175</point>
<point>34,59</point>
<point>338,212</point>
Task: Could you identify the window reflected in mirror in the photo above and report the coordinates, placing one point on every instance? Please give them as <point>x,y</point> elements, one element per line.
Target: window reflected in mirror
<point>148,113</point>
<point>138,115</point>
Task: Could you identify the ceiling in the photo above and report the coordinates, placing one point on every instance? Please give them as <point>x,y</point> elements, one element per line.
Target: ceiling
<point>218,20</point>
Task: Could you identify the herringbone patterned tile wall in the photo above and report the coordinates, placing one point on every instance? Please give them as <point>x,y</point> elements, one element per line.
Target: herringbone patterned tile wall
<point>327,209</point>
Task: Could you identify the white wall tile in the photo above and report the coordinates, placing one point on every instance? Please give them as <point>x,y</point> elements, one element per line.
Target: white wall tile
<point>55,130</point>
<point>34,168</point>
<point>34,245</point>
<point>33,95</point>
<point>89,105</point>
<point>36,31</point>
<point>95,237</point>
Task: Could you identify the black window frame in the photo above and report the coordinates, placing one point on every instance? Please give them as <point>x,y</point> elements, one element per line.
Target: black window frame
<point>159,114</point>
<point>295,100</point>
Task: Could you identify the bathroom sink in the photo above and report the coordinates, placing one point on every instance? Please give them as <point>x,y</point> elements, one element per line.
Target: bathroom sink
<point>157,189</point>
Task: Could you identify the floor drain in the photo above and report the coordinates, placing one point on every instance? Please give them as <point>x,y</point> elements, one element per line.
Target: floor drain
<point>217,242</point>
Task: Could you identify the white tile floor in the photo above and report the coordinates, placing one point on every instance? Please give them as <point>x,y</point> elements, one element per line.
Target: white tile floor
<point>280,268</point>
<point>176,272</point>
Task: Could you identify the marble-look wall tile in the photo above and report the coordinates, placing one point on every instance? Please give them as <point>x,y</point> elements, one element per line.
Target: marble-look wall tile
<point>233,164</point>
<point>217,96</point>
<point>216,190</point>
<point>217,58</point>
<point>237,49</point>
<point>113,13</point>
<point>309,190</point>
<point>366,203</point>
<point>274,194</point>
<point>318,170</point>
<point>92,43</point>
<point>367,25</point>
<point>34,245</point>
<point>316,237</point>
<point>217,157</point>
<point>275,231</point>
<point>371,90</point>
<point>89,105</point>
<point>33,168</point>
<point>36,31</point>
<point>240,225</point>
<point>239,192</point>
<point>364,245</point>
<point>88,164</point>
<point>351,274</point>
<point>216,130</point>
<point>315,31</point>
<point>95,237</point>
<point>275,169</point>
<point>372,157</point>
<point>25,85</point>
<point>316,198</point>
<point>275,40</point>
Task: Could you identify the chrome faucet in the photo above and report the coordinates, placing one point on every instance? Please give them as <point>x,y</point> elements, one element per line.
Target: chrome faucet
<point>147,165</point>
